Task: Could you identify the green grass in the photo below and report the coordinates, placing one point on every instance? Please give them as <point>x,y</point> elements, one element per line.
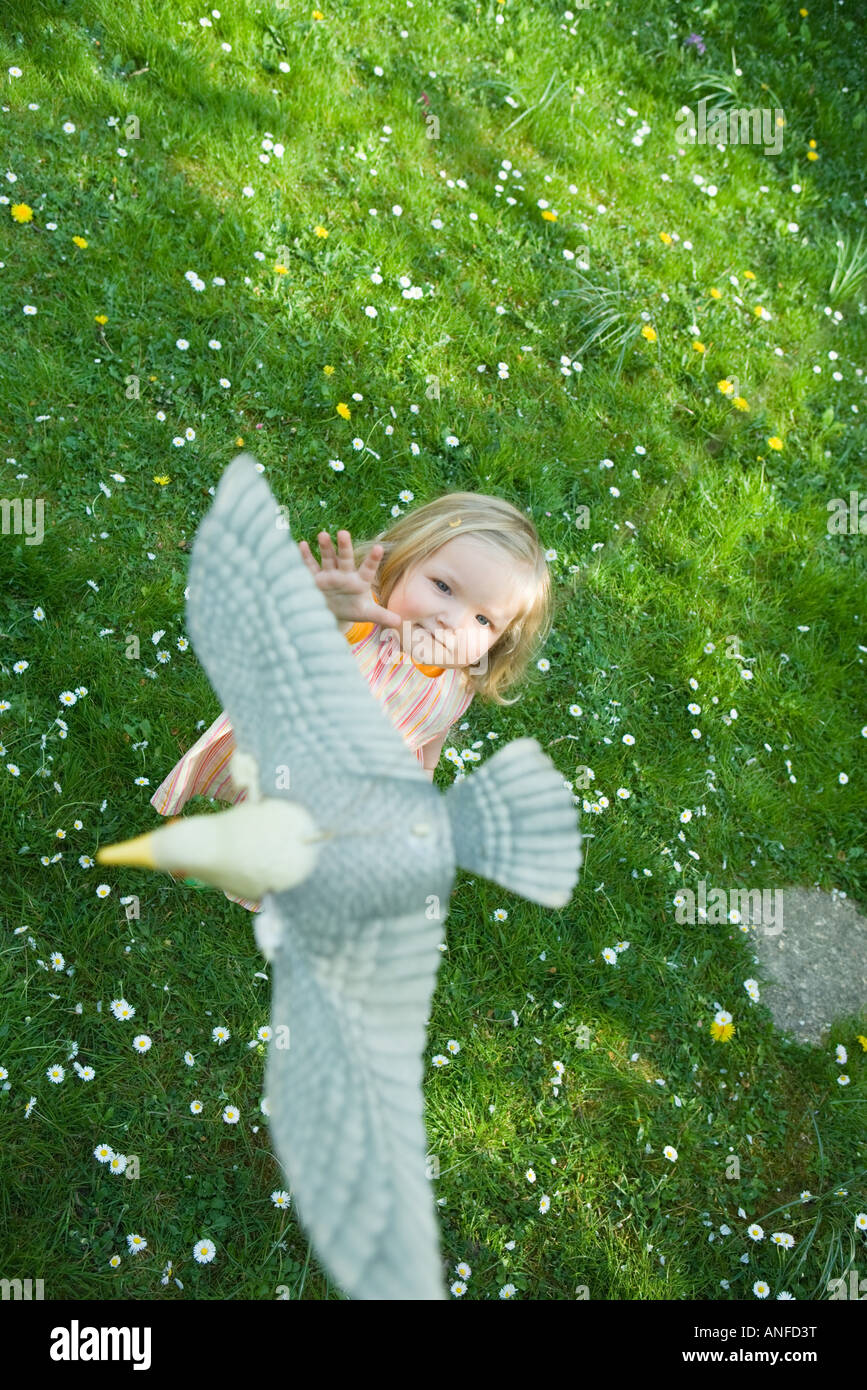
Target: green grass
<point>728,537</point>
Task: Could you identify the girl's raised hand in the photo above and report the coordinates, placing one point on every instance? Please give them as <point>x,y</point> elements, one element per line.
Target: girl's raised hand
<point>346,589</point>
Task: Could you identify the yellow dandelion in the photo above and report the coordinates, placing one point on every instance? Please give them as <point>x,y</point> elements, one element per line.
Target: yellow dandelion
<point>726,387</point>
<point>329,371</point>
<point>663,236</point>
<point>100,318</point>
<point>21,212</point>
<point>317,14</point>
<point>549,216</point>
<point>699,347</point>
<point>162,479</point>
<point>862,1041</point>
<point>775,442</point>
<point>780,121</point>
<point>320,231</point>
<point>715,294</point>
<point>80,241</point>
<point>812,144</point>
<point>281,270</point>
<point>748,275</point>
<point>811,154</point>
<point>344,411</point>
<point>151,378</point>
<point>649,333</point>
<point>758,311</point>
<point>803,13</point>
<point>239,443</point>
<point>740,403</point>
<point>722,1031</point>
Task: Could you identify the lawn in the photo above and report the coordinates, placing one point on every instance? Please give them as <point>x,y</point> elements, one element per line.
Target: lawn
<point>398,249</point>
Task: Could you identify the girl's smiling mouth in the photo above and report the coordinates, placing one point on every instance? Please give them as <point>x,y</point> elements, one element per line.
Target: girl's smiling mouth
<point>435,641</point>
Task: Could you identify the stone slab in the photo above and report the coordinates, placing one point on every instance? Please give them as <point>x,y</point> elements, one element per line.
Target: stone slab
<point>815,967</point>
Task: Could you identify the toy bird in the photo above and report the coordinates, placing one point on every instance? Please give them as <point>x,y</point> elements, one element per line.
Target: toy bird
<point>352,853</point>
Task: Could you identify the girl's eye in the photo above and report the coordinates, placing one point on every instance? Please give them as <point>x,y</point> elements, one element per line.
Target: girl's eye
<point>488,622</point>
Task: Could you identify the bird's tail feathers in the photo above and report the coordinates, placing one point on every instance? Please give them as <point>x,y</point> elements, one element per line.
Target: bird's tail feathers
<point>513,821</point>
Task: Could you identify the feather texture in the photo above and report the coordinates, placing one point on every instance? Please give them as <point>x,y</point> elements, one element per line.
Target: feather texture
<point>354,947</point>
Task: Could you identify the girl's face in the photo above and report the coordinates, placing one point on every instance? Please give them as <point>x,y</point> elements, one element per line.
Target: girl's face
<point>455,604</point>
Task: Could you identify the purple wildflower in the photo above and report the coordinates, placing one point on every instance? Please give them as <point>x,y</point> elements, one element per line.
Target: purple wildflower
<point>697,40</point>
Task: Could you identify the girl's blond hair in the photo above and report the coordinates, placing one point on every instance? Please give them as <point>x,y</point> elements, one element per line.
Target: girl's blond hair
<point>497,523</point>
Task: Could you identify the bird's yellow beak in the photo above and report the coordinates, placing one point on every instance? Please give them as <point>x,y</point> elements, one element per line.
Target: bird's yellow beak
<point>138,852</point>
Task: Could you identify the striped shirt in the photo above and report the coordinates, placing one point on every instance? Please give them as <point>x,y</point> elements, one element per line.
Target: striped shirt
<point>422,703</point>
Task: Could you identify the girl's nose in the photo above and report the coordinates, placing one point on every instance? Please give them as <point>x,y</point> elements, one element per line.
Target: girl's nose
<point>450,618</point>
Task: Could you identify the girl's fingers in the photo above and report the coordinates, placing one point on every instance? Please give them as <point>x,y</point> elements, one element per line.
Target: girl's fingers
<point>373,559</point>
<point>343,557</point>
<point>387,618</point>
<point>345,553</point>
<point>307,557</point>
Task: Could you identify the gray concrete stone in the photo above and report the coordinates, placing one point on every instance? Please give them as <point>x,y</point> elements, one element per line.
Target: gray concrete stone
<point>814,969</point>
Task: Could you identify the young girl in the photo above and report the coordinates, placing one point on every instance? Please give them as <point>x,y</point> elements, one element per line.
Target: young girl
<point>468,597</point>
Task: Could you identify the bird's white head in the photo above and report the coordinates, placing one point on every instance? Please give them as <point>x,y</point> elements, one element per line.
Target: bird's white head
<point>248,851</point>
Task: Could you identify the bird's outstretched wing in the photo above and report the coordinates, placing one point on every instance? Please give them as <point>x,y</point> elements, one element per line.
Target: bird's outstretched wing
<point>273,653</point>
<point>344,1086</point>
